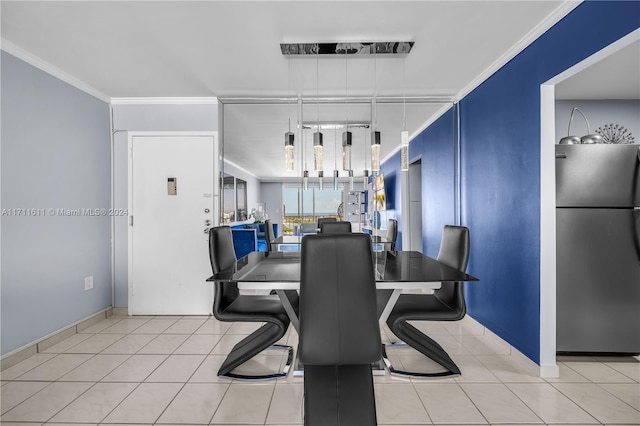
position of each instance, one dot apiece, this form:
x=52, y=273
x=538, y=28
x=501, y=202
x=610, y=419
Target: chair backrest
x=268, y=233
x=222, y=256
x=338, y=316
x=454, y=251
x=308, y=228
x=392, y=232
x=322, y=220
x=335, y=227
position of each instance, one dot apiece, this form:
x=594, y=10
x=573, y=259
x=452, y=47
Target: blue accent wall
x=436, y=147
x=391, y=171
x=500, y=170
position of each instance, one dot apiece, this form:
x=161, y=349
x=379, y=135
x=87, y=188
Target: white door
x=173, y=198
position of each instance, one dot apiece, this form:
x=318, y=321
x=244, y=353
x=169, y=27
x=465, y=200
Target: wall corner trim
x=43, y=65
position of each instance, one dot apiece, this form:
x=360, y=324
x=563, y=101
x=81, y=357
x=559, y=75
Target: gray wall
x=599, y=113
x=145, y=117
x=55, y=155
x=271, y=195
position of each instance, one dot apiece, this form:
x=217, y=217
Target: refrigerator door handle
x=636, y=232
x=637, y=177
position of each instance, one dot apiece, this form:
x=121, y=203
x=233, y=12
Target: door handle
x=564, y=154
x=636, y=231
x=636, y=179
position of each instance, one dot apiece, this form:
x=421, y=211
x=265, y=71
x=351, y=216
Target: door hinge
x=131, y=220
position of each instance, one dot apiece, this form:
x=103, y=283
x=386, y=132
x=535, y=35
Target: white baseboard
x=39, y=345
x=500, y=344
x=120, y=312
x=51, y=339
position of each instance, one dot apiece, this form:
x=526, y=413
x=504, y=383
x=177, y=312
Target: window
x=301, y=206
x=234, y=194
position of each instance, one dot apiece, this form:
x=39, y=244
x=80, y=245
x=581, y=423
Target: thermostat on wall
x=172, y=186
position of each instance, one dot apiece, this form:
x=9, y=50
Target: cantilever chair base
x=283, y=373
x=253, y=344
x=424, y=344
x=399, y=372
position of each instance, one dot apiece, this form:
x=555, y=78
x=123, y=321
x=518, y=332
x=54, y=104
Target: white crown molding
x=552, y=19
x=165, y=101
x=43, y=65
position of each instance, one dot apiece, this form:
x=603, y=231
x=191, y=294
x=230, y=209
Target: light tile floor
x=162, y=370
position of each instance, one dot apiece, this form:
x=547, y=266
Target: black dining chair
x=335, y=227
x=322, y=220
x=230, y=306
x=339, y=331
x=392, y=233
x=445, y=304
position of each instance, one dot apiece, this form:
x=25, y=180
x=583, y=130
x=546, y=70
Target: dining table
x=293, y=243
x=395, y=272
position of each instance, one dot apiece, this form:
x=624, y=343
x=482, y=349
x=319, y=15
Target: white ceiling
x=230, y=49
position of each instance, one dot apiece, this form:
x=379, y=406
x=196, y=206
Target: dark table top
x=391, y=266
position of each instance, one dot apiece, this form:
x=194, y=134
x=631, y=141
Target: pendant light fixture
x=375, y=135
x=365, y=179
x=336, y=174
x=346, y=135
x=375, y=151
x=289, y=148
x=305, y=173
x=317, y=136
x=346, y=150
x=404, y=135
x=289, y=151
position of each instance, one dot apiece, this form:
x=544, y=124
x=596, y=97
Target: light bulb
x=289, y=151
x=317, y=151
x=375, y=151
x=346, y=150
x=404, y=151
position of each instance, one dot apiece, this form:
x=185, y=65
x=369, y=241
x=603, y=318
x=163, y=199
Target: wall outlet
x=88, y=283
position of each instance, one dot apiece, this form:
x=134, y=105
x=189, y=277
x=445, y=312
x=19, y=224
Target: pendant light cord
x=318, y=87
x=404, y=95
x=289, y=92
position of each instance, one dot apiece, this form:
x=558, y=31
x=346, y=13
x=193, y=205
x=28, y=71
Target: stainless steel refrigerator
x=598, y=248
